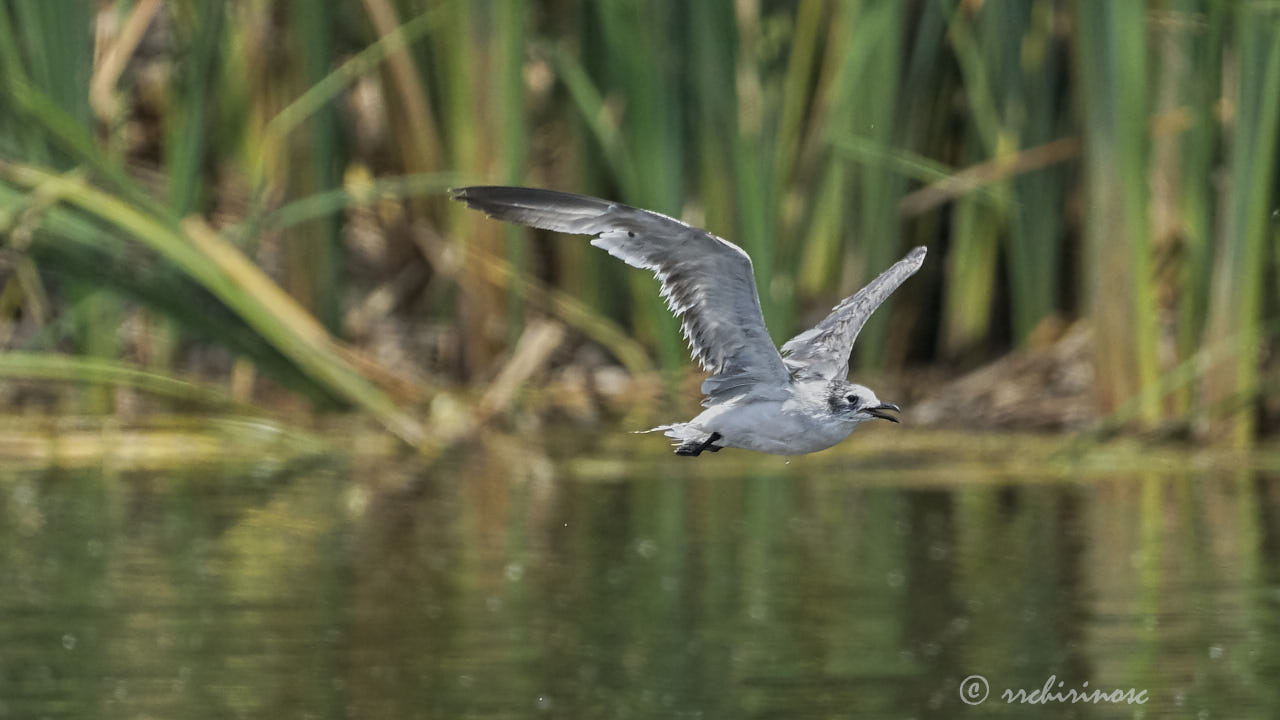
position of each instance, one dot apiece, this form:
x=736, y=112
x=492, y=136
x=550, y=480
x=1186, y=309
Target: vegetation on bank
x=232, y=203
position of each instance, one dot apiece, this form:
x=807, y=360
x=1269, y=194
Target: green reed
x=1111, y=162
x=1112, y=61
x=1249, y=233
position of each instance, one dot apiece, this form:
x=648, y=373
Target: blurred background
x=242, y=205
x=233, y=289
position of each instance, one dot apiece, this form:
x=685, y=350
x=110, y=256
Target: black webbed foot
x=695, y=449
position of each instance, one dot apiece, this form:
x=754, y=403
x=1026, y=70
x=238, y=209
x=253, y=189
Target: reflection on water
x=487, y=589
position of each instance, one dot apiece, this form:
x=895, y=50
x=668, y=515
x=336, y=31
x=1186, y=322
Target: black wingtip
x=487, y=197
x=471, y=196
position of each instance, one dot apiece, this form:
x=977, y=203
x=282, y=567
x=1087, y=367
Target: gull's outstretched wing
x=823, y=351
x=707, y=282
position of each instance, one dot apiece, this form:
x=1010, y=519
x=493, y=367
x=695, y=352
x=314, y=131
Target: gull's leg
x=693, y=449
x=709, y=443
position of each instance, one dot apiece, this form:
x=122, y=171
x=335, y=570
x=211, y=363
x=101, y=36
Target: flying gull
x=790, y=403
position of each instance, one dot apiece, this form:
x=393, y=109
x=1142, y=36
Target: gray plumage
x=709, y=284
x=823, y=350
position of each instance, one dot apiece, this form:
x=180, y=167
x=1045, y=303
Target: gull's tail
x=685, y=436
x=676, y=431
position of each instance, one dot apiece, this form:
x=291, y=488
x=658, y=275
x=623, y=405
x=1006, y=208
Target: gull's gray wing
x=707, y=281
x=823, y=351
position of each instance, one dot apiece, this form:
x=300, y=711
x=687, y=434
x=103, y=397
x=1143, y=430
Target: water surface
x=502, y=583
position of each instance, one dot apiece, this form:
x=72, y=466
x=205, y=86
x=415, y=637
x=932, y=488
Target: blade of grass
x=49, y=128
x=1199, y=161
x=1030, y=111
x=326, y=90
x=70, y=246
x=969, y=295
x=1235, y=305
x=881, y=29
x=185, y=142
x=598, y=117
x=640, y=57
x=114, y=59
x=509, y=63
x=58, y=54
x=804, y=44
x=650, y=317
x=1111, y=57
x=314, y=265
x=328, y=202
x=1177, y=236
x=971, y=275
x=186, y=137
x=498, y=272
x=58, y=58
x=423, y=138
x=220, y=268
x=15, y=365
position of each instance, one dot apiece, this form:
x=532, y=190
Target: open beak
x=879, y=411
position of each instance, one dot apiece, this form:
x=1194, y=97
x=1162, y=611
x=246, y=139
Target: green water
x=500, y=586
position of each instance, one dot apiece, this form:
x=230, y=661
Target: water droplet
x=514, y=571
x=24, y=494
x=647, y=548
x=1215, y=652
x=69, y=641
x=544, y=702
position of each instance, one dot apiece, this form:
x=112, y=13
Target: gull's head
x=857, y=403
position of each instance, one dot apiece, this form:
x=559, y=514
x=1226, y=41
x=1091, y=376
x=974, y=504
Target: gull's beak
x=879, y=411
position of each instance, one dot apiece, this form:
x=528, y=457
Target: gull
x=792, y=402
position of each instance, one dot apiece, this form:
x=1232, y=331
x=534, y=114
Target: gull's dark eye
x=853, y=400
